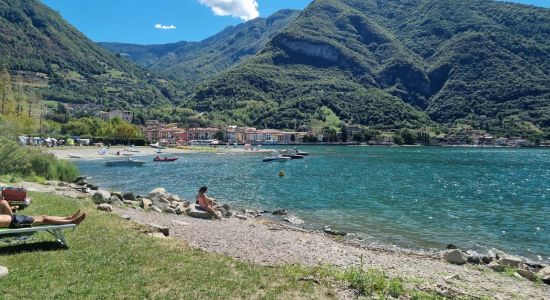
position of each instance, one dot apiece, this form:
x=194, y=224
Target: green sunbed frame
x=55, y=230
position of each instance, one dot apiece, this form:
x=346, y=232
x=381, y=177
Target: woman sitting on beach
x=206, y=203
x=10, y=220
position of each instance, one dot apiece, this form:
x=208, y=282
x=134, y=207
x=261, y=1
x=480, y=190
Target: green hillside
x=46, y=52
x=193, y=62
x=392, y=64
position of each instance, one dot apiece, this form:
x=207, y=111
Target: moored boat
x=298, y=152
x=165, y=159
x=71, y=155
x=279, y=158
x=125, y=162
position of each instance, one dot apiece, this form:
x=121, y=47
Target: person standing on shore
x=206, y=203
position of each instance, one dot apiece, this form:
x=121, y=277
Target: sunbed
x=55, y=230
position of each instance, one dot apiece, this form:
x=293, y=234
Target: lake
x=420, y=198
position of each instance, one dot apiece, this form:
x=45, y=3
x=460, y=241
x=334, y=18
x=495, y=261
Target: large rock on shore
x=105, y=207
x=196, y=213
x=511, y=261
x=101, y=196
x=455, y=256
x=3, y=271
x=158, y=192
x=293, y=220
x=544, y=274
x=145, y=203
x=129, y=196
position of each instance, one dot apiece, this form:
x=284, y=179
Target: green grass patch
x=108, y=258
x=329, y=119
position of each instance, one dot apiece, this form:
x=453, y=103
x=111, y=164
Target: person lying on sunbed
x=10, y=220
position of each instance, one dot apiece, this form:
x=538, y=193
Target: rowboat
x=165, y=159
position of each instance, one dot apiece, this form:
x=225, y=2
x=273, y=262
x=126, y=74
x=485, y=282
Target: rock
x=511, y=261
x=155, y=208
x=329, y=230
x=126, y=217
x=496, y=267
x=157, y=235
x=293, y=220
x=115, y=201
x=158, y=228
x=131, y=203
x=129, y=196
x=451, y=247
x=544, y=274
x=247, y=211
x=101, y=196
x=145, y=203
x=226, y=207
x=280, y=212
x=180, y=210
x=241, y=217
x=455, y=256
x=105, y=207
x=527, y=274
x=118, y=195
x=455, y=276
x=518, y=276
x=164, y=200
x=174, y=198
x=200, y=214
x=486, y=260
x=158, y=192
x=228, y=214
x=3, y=271
x=169, y=210
x=474, y=260
x=92, y=187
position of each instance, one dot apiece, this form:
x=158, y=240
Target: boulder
x=129, y=196
x=105, y=207
x=3, y=271
x=158, y=192
x=115, y=201
x=200, y=214
x=451, y=247
x=131, y=203
x=455, y=256
x=158, y=228
x=544, y=274
x=155, y=208
x=180, y=210
x=293, y=220
x=145, y=203
x=474, y=260
x=164, y=200
x=174, y=198
x=527, y=274
x=92, y=187
x=226, y=207
x=101, y=196
x=118, y=195
x=241, y=217
x=486, y=259
x=511, y=261
x=169, y=210
x=329, y=230
x=280, y=212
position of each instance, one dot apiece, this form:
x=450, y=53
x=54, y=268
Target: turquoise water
x=412, y=197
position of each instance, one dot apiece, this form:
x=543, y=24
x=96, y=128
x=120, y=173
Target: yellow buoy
x=281, y=173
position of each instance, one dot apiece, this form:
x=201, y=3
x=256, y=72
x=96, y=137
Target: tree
x=220, y=135
x=5, y=89
x=409, y=137
x=344, y=134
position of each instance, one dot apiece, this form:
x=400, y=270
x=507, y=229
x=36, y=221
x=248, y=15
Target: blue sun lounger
x=55, y=230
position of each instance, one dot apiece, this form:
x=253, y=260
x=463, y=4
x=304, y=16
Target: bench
x=55, y=230
x=16, y=196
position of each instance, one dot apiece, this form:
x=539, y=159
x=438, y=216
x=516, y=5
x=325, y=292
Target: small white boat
x=72, y=155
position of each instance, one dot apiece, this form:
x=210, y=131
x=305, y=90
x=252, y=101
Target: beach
x=262, y=241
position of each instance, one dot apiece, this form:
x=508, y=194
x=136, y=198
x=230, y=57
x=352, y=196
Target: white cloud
x=165, y=27
x=244, y=9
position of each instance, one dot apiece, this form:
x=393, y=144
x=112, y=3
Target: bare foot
x=76, y=214
x=79, y=219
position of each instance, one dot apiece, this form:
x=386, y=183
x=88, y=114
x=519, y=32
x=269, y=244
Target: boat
x=298, y=152
x=157, y=146
x=128, y=154
x=166, y=159
x=293, y=156
x=279, y=158
x=125, y=162
x=71, y=155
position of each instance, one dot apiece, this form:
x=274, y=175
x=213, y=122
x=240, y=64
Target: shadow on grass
x=31, y=247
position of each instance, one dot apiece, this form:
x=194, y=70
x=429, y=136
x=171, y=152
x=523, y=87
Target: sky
x=168, y=21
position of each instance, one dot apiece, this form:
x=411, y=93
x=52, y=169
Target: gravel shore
x=265, y=242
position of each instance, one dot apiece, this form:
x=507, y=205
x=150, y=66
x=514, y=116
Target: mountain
x=46, y=52
x=196, y=61
x=394, y=64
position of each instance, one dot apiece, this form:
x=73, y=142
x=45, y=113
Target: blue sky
x=167, y=21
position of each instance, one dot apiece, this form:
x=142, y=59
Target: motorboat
x=125, y=162
x=293, y=156
x=279, y=158
x=298, y=152
x=71, y=155
x=165, y=159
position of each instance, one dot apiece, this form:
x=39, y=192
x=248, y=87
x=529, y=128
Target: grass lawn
x=108, y=258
